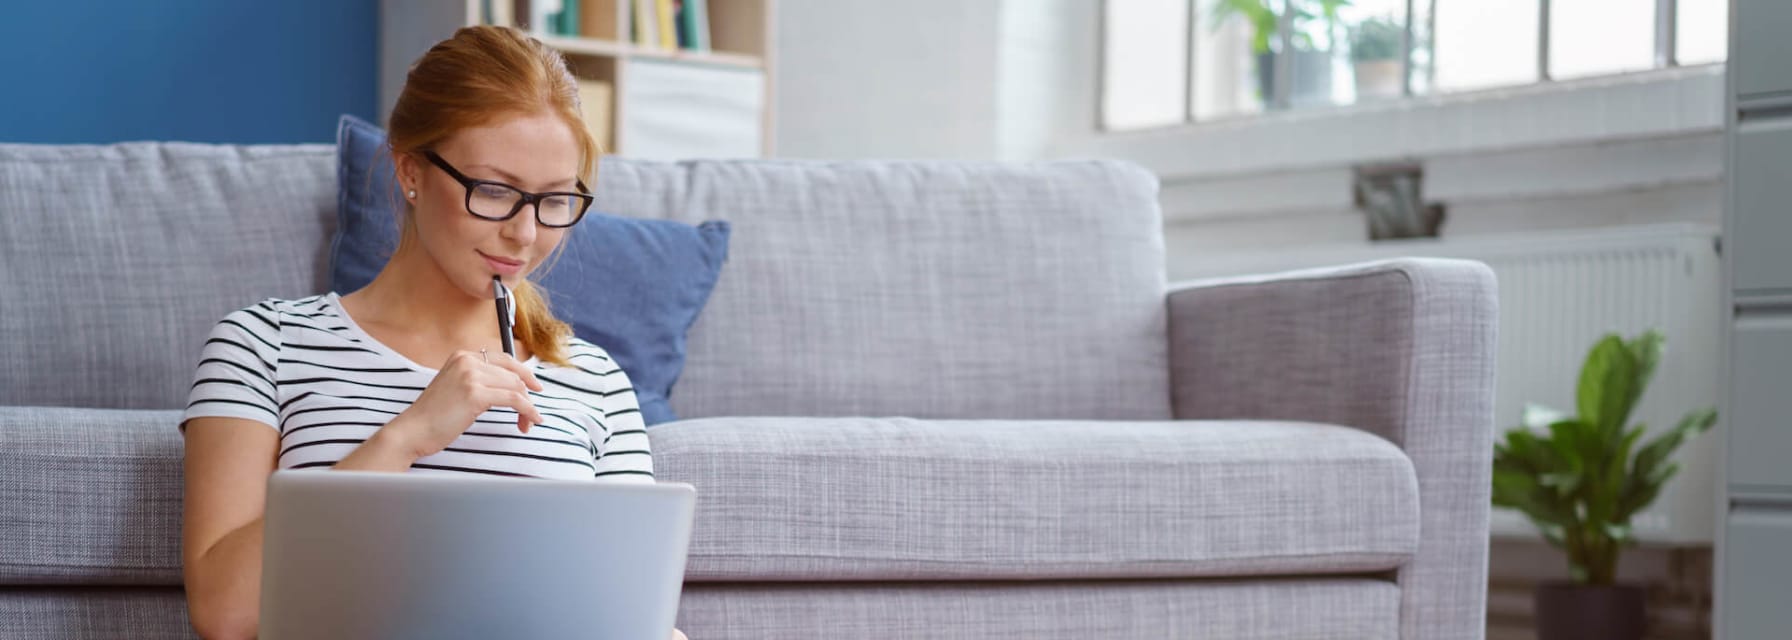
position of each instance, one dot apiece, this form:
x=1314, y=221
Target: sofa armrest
x=1401, y=348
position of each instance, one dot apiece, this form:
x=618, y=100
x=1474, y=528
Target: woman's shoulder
x=589, y=357
x=591, y=363
x=310, y=306
x=266, y=321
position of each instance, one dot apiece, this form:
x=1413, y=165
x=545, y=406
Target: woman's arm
x=227, y=466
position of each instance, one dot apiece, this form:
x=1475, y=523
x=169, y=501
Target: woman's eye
x=557, y=202
x=492, y=191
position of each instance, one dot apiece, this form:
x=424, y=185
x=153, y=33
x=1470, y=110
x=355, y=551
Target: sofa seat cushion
x=89, y=496
x=906, y=499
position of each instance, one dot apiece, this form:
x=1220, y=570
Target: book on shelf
x=597, y=19
x=594, y=107
x=663, y=16
x=700, y=23
x=693, y=24
x=669, y=25
x=646, y=29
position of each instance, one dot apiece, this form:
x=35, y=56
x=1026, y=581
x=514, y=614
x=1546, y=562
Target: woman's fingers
x=503, y=396
x=508, y=363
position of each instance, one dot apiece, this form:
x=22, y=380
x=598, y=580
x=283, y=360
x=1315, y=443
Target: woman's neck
x=412, y=295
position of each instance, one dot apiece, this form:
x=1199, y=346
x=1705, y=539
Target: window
x=1168, y=62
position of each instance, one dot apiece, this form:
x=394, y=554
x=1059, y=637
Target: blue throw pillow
x=629, y=285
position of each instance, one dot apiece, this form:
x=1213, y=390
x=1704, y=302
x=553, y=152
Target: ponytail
x=540, y=332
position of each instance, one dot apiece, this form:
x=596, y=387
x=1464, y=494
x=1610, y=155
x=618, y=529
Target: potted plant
x=1312, y=79
x=1375, y=46
x=1580, y=479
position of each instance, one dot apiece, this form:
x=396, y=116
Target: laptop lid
x=387, y=555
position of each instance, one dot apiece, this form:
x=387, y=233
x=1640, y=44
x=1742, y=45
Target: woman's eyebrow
x=516, y=181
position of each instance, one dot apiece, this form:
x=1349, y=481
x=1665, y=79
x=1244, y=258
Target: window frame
x=1666, y=57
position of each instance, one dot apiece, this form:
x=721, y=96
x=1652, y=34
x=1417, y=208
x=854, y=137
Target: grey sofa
x=927, y=400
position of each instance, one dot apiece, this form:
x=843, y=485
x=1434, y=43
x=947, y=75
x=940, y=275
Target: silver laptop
x=388, y=555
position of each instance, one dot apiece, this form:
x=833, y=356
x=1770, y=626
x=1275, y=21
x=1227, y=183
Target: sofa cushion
x=629, y=285
x=89, y=496
x=118, y=259
x=94, y=497
x=925, y=289
x=905, y=499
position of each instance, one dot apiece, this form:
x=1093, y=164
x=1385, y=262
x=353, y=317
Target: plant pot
x=1568, y=611
x=1377, y=79
x=1312, y=81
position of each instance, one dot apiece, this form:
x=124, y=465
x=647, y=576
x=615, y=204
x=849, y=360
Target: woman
x=488, y=145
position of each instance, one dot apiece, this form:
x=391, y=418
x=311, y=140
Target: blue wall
x=239, y=71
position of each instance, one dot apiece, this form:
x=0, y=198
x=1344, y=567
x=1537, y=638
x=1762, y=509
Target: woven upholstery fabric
x=93, y=497
x=1338, y=608
x=94, y=613
x=1296, y=609
x=906, y=499
x=89, y=496
x=121, y=258
x=1404, y=349
x=923, y=289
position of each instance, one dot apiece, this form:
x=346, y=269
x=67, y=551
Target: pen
x=502, y=295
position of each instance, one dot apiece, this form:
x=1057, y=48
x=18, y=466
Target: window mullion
x=1666, y=35
x=1406, y=44
x=1543, y=41
x=1188, y=58
x=1284, y=59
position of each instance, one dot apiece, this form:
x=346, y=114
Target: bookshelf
x=706, y=95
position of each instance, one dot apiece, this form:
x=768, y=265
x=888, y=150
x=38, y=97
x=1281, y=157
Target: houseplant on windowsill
x=1310, y=64
x=1577, y=479
x=1375, y=46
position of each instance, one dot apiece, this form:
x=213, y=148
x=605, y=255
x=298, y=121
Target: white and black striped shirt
x=304, y=368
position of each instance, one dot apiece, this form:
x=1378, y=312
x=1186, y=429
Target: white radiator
x=1559, y=292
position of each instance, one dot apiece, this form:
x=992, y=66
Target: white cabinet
x=679, y=110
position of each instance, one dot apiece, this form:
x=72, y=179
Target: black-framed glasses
x=496, y=201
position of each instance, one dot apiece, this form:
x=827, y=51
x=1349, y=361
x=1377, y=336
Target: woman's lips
x=502, y=266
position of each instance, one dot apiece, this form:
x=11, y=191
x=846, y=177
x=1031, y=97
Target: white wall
x=1019, y=80
x=874, y=78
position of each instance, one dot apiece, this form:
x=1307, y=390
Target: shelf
x=614, y=49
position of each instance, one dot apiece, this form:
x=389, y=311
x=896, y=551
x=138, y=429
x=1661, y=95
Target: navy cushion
x=629, y=285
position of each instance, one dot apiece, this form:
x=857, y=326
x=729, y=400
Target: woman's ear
x=410, y=174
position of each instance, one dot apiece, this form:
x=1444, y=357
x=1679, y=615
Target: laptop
x=351, y=554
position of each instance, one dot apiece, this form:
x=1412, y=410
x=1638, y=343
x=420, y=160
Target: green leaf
x=1607, y=389
x=1645, y=351
x=1577, y=444
x=1664, y=445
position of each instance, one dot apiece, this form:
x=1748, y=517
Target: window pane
x=1314, y=65
x=1371, y=36
x=1594, y=37
x=1702, y=33
x=1485, y=43
x=1145, y=66
x=1228, y=78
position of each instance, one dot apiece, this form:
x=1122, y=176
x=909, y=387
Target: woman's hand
x=469, y=384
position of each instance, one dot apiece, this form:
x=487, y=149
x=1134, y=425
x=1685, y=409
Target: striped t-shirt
x=304, y=368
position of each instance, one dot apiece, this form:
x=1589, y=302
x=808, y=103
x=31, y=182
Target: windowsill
x=1647, y=104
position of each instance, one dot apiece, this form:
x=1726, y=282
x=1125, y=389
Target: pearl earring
x=412, y=194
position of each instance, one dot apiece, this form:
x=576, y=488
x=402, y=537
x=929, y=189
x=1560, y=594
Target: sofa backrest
x=116, y=260
x=926, y=289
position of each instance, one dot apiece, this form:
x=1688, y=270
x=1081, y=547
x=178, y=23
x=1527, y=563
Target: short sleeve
x=235, y=377
x=623, y=455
